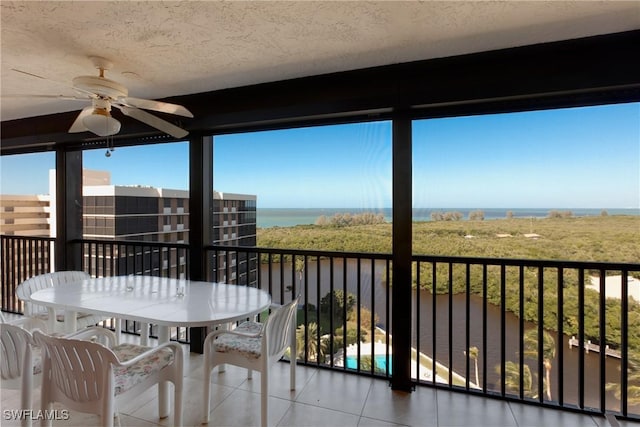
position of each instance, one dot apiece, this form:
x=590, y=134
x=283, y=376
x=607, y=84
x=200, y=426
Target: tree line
x=611, y=238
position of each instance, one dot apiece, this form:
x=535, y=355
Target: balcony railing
x=476, y=321
x=22, y=257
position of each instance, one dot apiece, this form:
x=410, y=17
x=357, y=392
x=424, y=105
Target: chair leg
x=108, y=412
x=45, y=395
x=293, y=354
x=206, y=394
x=25, y=406
x=224, y=327
x=26, y=398
x=264, y=398
x=177, y=405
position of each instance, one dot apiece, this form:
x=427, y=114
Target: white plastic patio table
x=157, y=300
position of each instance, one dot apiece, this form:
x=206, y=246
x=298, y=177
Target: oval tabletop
x=158, y=300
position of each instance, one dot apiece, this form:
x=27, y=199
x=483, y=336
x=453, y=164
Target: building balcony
x=474, y=349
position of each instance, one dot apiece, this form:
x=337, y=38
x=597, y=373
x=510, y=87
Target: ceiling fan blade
x=64, y=97
x=29, y=74
x=153, y=121
x=163, y=107
x=41, y=78
x=78, y=125
x=69, y=85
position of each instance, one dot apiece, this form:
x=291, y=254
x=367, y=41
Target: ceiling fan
x=105, y=94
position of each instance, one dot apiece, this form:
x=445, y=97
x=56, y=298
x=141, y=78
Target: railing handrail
x=133, y=243
x=300, y=252
x=36, y=238
x=509, y=262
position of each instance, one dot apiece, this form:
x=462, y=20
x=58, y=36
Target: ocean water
x=289, y=217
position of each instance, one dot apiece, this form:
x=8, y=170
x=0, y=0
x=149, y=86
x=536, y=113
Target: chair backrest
x=15, y=348
x=80, y=370
x=43, y=281
x=278, y=328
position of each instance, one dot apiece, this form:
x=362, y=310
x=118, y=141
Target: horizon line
x=450, y=207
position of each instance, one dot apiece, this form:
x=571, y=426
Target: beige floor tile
x=371, y=422
x=418, y=408
x=279, y=384
x=535, y=416
x=338, y=391
x=303, y=415
x=192, y=404
x=459, y=409
x=242, y=408
x=232, y=376
x=131, y=403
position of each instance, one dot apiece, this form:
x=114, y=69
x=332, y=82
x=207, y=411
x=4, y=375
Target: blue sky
x=573, y=158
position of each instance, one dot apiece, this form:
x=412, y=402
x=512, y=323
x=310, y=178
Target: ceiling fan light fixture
x=101, y=123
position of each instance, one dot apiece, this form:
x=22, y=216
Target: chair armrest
x=98, y=334
x=212, y=336
x=29, y=323
x=173, y=346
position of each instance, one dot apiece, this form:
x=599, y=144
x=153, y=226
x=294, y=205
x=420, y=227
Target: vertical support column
x=200, y=217
x=68, y=202
x=402, y=229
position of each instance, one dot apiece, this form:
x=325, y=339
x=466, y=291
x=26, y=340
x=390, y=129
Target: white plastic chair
x=90, y=377
x=43, y=281
x=254, y=346
x=21, y=358
x=20, y=361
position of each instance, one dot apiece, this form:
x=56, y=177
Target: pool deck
x=426, y=363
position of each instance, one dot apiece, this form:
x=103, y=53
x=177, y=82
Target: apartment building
x=141, y=214
x=234, y=224
x=25, y=215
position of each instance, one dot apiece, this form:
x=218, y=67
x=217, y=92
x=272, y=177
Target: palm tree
x=324, y=349
x=300, y=270
x=312, y=344
x=548, y=353
x=473, y=354
x=633, y=385
x=512, y=379
x=316, y=350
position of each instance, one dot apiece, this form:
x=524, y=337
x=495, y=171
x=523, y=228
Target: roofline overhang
x=586, y=71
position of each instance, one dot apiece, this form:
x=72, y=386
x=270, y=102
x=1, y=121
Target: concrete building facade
x=139, y=214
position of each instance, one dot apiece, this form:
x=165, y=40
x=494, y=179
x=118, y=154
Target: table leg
x=51, y=320
x=118, y=328
x=163, y=387
x=144, y=334
x=70, y=321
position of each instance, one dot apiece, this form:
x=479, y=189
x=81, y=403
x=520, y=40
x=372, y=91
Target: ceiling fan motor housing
x=100, y=86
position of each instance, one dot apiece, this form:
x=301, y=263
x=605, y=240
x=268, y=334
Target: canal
x=371, y=291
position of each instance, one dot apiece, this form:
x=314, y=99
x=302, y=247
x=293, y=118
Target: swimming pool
x=380, y=362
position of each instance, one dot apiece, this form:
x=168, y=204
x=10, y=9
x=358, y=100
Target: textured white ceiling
x=162, y=49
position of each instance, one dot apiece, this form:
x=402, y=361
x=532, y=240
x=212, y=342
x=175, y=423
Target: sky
x=585, y=157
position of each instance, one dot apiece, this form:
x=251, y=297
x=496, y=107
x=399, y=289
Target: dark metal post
x=200, y=216
x=68, y=211
x=401, y=285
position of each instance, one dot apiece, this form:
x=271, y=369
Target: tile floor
x=323, y=398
